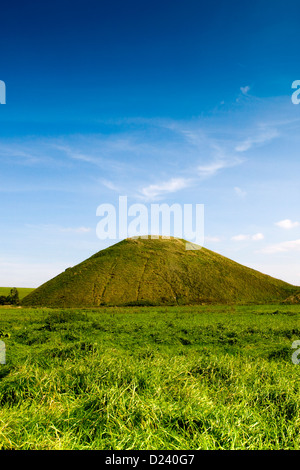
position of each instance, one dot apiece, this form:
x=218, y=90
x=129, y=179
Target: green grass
x=207, y=377
x=23, y=291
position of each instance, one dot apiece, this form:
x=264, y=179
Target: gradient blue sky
x=170, y=101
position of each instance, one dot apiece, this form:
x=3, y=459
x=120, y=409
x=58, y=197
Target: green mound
x=155, y=272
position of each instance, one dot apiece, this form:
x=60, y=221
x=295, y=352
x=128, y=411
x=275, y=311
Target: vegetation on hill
x=156, y=272
x=293, y=299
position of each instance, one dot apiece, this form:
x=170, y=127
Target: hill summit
x=158, y=271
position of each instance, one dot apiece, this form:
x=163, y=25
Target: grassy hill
x=157, y=271
x=23, y=291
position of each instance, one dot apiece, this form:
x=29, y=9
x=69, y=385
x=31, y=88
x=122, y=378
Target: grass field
x=208, y=377
x=23, y=291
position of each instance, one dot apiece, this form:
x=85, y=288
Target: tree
x=3, y=300
x=13, y=297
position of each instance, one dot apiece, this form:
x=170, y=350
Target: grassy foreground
x=150, y=378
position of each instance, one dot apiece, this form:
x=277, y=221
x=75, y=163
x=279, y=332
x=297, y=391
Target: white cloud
x=240, y=192
x=245, y=89
x=258, y=236
x=155, y=190
x=212, y=239
x=242, y=237
x=287, y=224
x=259, y=139
x=109, y=184
x=211, y=168
x=282, y=247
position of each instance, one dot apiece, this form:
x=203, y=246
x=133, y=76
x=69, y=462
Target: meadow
x=200, y=377
x=23, y=291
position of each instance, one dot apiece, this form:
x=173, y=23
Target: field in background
x=23, y=291
x=208, y=377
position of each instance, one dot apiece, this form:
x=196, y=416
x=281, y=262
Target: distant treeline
x=11, y=299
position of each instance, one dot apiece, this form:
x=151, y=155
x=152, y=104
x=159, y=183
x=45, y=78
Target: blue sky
x=161, y=101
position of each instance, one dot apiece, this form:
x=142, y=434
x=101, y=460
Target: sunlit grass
x=150, y=378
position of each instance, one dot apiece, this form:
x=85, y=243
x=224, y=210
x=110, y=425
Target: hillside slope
x=293, y=299
x=157, y=271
